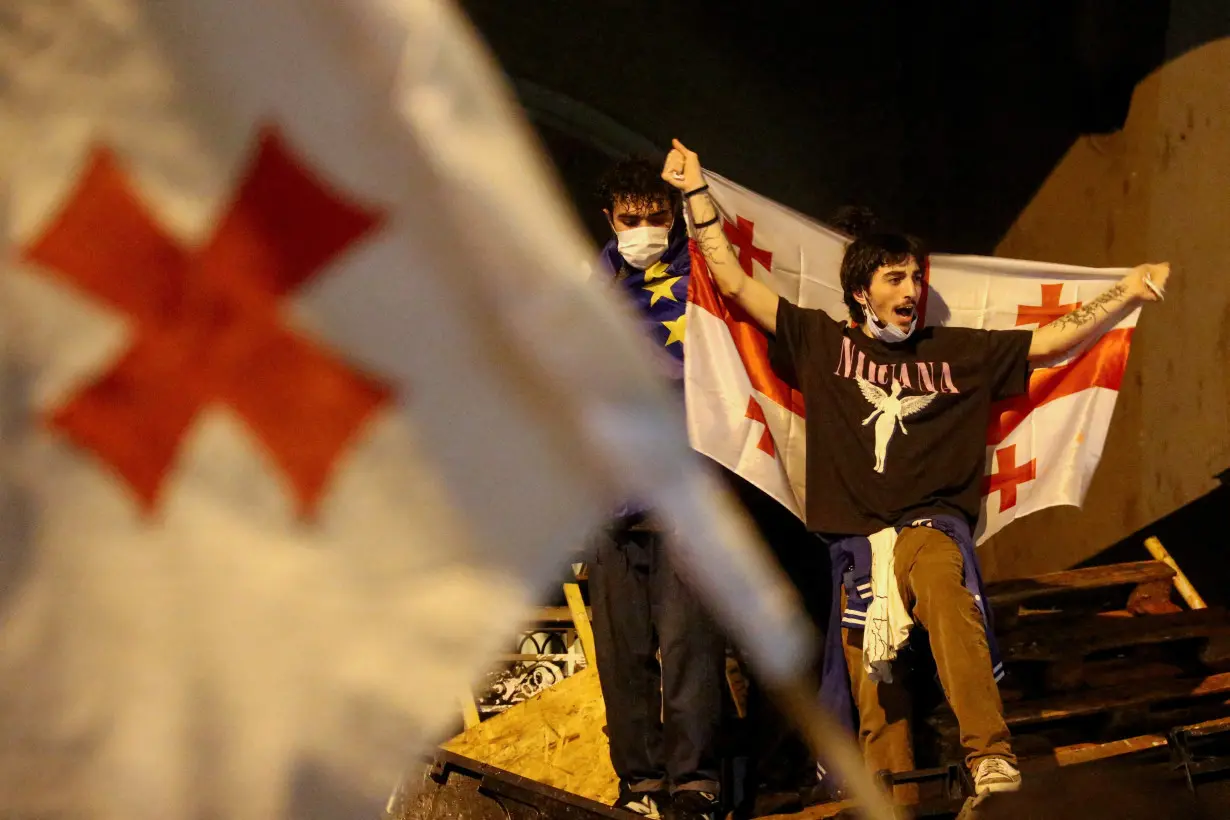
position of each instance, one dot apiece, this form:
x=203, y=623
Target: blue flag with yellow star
x=660, y=294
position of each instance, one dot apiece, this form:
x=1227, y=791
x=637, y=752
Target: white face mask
x=641, y=247
x=889, y=332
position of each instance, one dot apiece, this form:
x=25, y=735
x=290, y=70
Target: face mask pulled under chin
x=889, y=332
x=641, y=247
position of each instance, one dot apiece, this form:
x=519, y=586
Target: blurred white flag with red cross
x=285, y=450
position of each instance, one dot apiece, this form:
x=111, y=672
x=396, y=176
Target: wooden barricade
x=1100, y=655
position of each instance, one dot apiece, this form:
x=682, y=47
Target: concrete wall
x=1157, y=190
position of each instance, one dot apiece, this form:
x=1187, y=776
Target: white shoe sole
x=996, y=788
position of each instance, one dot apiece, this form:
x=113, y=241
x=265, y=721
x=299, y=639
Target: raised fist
x=682, y=168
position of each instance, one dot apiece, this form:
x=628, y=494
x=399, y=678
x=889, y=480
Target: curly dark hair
x=637, y=182
x=873, y=247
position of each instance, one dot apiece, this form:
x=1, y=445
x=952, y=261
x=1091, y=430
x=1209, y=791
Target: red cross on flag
x=1042, y=448
x=284, y=450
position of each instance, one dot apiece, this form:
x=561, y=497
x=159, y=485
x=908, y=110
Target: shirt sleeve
x=1007, y=362
x=799, y=339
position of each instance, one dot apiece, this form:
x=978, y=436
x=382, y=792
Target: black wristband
x=698, y=225
x=699, y=190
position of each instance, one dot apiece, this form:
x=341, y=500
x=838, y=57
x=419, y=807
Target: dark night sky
x=944, y=118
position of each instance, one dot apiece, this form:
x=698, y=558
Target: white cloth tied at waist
x=888, y=621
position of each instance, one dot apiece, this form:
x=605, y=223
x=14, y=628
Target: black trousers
x=663, y=721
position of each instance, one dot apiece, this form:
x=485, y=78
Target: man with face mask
x=897, y=419
x=662, y=716
x=648, y=254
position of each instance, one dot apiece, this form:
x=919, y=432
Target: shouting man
x=894, y=475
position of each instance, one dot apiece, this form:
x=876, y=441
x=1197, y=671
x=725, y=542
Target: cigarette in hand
x=1158, y=292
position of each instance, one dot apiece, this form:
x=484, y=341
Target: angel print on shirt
x=891, y=409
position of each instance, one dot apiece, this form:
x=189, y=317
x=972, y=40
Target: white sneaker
x=642, y=804
x=995, y=774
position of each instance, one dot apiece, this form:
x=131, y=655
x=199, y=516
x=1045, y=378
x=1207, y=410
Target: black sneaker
x=693, y=805
x=645, y=804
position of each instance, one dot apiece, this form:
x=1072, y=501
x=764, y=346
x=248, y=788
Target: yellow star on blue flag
x=662, y=289
x=656, y=271
x=677, y=328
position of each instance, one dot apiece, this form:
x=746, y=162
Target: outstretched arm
x=1069, y=330
x=682, y=170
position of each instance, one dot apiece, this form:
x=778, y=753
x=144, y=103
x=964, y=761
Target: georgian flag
x=1042, y=448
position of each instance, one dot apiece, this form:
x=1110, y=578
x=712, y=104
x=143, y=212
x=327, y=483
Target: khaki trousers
x=931, y=576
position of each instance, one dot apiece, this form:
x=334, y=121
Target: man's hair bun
x=855, y=221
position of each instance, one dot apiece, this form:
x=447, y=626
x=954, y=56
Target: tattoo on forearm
x=1090, y=312
x=711, y=239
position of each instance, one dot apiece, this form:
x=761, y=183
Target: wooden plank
x=1018, y=590
x=1090, y=752
x=1082, y=674
x=1208, y=727
x=1044, y=643
x=1117, y=697
x=555, y=737
x=1158, y=720
x=1181, y=583
x=580, y=619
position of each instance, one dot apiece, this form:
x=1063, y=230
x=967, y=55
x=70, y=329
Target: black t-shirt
x=894, y=431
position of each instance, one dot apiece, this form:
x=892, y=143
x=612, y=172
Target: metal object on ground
x=454, y=787
x=1201, y=750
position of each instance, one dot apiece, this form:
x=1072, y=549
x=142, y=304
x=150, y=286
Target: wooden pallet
x=1098, y=656
x=1102, y=664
